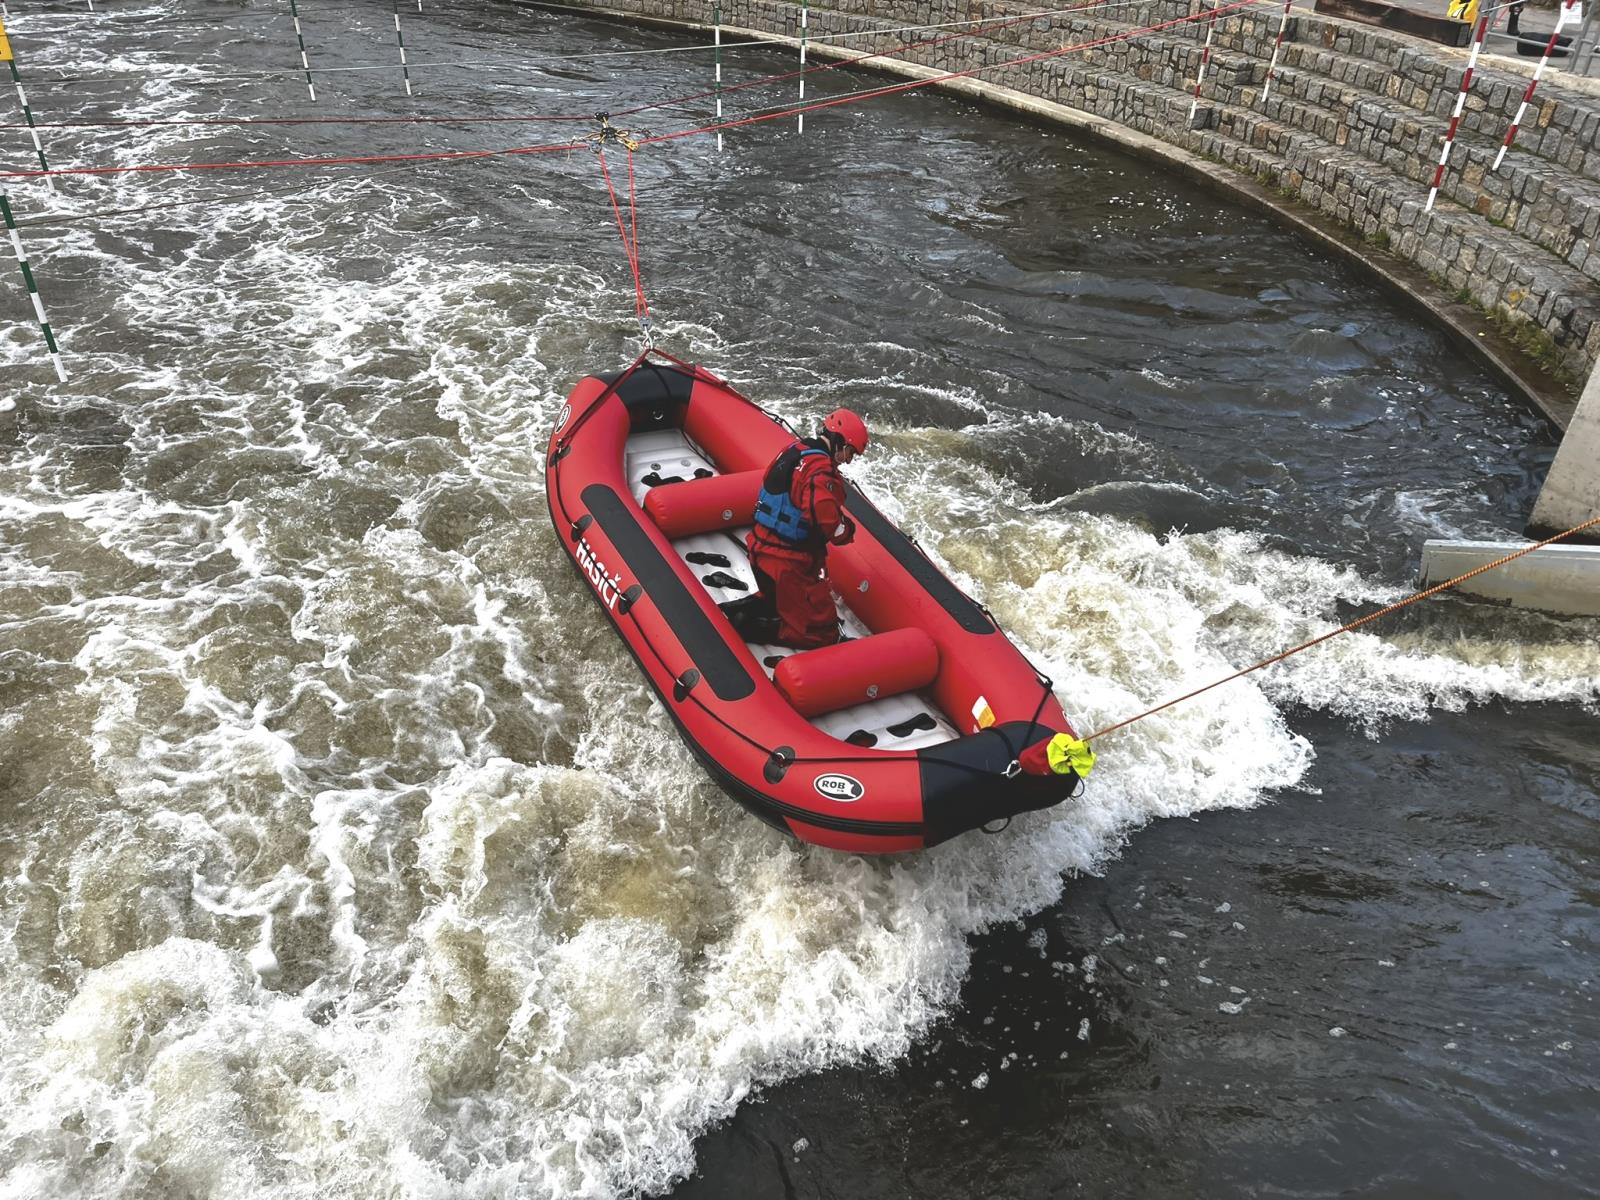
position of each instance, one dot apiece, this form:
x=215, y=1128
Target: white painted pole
x=1455, y=117
x=305, y=63
x=1272, y=67
x=1199, y=76
x=1567, y=12
x=716, y=19
x=400, y=40
x=9, y=56
x=805, y=23
x=33, y=289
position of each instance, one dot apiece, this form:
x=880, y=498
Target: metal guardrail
x=1575, y=58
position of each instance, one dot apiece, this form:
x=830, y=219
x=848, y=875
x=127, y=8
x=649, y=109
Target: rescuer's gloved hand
x=845, y=533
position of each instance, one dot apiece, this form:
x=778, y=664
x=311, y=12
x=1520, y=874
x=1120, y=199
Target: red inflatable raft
x=903, y=736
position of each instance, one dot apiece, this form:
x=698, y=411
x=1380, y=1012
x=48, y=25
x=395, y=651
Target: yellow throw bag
x=1067, y=753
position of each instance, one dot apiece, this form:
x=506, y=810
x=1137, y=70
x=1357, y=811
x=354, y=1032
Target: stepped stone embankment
x=1344, y=145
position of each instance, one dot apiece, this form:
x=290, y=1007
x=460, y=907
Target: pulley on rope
x=609, y=135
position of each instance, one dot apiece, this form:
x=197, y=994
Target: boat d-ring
x=1013, y=768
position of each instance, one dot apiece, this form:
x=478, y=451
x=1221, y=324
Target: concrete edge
x=1555, y=579
x=1539, y=389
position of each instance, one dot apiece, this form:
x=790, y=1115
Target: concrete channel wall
x=1571, y=492
x=1348, y=140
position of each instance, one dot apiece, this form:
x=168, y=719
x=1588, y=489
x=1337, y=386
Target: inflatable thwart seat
x=902, y=736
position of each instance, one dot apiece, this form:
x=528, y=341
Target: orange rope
x=1382, y=612
x=630, y=245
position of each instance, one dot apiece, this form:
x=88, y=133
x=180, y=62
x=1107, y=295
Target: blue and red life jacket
x=775, y=507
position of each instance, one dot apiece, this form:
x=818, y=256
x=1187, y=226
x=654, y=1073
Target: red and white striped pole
x=1455, y=117
x=1564, y=14
x=1272, y=67
x=1205, y=57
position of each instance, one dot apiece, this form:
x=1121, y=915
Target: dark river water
x=344, y=852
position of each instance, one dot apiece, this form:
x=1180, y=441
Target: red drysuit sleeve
x=820, y=495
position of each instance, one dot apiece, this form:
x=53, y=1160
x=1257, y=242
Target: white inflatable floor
x=906, y=722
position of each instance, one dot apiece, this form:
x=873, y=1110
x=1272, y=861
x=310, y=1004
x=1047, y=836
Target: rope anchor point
x=609, y=135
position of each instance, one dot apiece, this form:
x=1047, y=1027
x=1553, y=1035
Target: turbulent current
x=343, y=850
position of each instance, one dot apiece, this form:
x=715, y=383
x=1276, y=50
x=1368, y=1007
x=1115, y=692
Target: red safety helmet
x=849, y=427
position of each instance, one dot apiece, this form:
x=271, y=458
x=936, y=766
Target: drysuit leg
x=807, y=617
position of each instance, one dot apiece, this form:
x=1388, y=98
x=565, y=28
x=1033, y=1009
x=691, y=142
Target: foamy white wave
x=1420, y=510
x=1160, y=380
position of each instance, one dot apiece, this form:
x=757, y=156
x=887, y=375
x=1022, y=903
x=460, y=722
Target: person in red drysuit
x=799, y=515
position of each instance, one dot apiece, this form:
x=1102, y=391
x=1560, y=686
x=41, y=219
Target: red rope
x=633, y=220
x=630, y=246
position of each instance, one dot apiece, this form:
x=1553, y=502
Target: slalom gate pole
x=400, y=40
x=33, y=290
x=1356, y=624
x=10, y=58
x=1562, y=16
x=1199, y=76
x=805, y=25
x=299, y=36
x=716, y=58
x=1272, y=67
x=1455, y=117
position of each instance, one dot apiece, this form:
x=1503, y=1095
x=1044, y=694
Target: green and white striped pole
x=400, y=40
x=10, y=58
x=716, y=57
x=33, y=290
x=305, y=63
x=805, y=25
